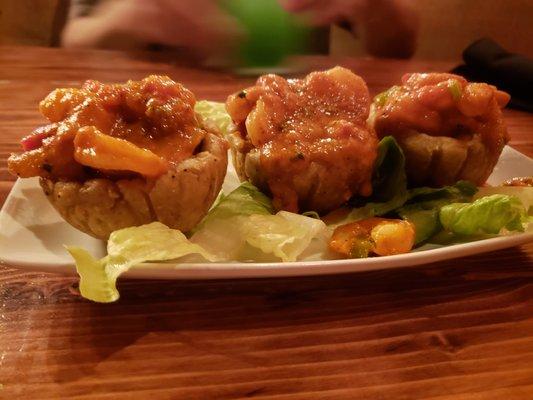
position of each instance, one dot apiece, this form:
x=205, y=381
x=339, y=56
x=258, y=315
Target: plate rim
x=238, y=270
x=243, y=270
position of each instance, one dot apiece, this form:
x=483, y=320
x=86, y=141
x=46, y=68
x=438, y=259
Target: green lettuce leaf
x=374, y=210
x=389, y=180
x=220, y=230
x=489, y=214
x=424, y=204
x=461, y=189
x=285, y=235
x=425, y=221
x=389, y=184
x=125, y=248
x=95, y=283
x=214, y=115
x=523, y=193
x=245, y=200
x=241, y=227
x=390, y=195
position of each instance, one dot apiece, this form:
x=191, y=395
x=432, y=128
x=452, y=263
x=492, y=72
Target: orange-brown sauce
x=155, y=114
x=442, y=104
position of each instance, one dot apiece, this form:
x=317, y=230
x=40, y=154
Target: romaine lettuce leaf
x=95, y=284
x=523, y=193
x=390, y=195
x=245, y=200
x=374, y=209
x=460, y=190
x=425, y=221
x=423, y=206
x=389, y=180
x=389, y=184
x=489, y=214
x=221, y=230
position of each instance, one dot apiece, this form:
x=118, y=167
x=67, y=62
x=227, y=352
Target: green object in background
x=271, y=32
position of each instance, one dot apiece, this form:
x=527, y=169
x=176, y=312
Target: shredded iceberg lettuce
x=240, y=227
x=125, y=248
x=285, y=235
x=244, y=219
x=214, y=115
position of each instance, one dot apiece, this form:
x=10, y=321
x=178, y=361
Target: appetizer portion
x=448, y=128
x=122, y=155
x=305, y=142
x=141, y=163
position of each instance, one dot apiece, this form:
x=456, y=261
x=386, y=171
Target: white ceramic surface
x=33, y=235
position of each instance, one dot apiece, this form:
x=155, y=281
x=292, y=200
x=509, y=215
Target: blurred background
x=443, y=27
x=447, y=27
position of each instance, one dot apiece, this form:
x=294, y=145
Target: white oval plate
x=33, y=236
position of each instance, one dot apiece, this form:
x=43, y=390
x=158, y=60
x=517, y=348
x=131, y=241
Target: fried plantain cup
x=449, y=129
x=115, y=156
x=305, y=141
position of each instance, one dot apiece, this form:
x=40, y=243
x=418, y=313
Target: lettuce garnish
x=126, y=248
x=423, y=206
x=389, y=184
x=214, y=115
x=523, y=193
x=489, y=214
x=240, y=227
x=391, y=197
x=433, y=210
x=285, y=235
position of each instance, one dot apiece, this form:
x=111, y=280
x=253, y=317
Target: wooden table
x=453, y=330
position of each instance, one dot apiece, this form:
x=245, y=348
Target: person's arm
x=198, y=26
x=388, y=28
x=94, y=23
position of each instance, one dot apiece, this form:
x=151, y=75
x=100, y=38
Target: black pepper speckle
x=298, y=156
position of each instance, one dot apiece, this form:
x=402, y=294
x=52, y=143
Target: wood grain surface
x=457, y=330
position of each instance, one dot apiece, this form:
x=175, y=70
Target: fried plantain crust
x=180, y=198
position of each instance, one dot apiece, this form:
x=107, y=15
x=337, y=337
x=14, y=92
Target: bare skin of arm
x=388, y=28
x=195, y=25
